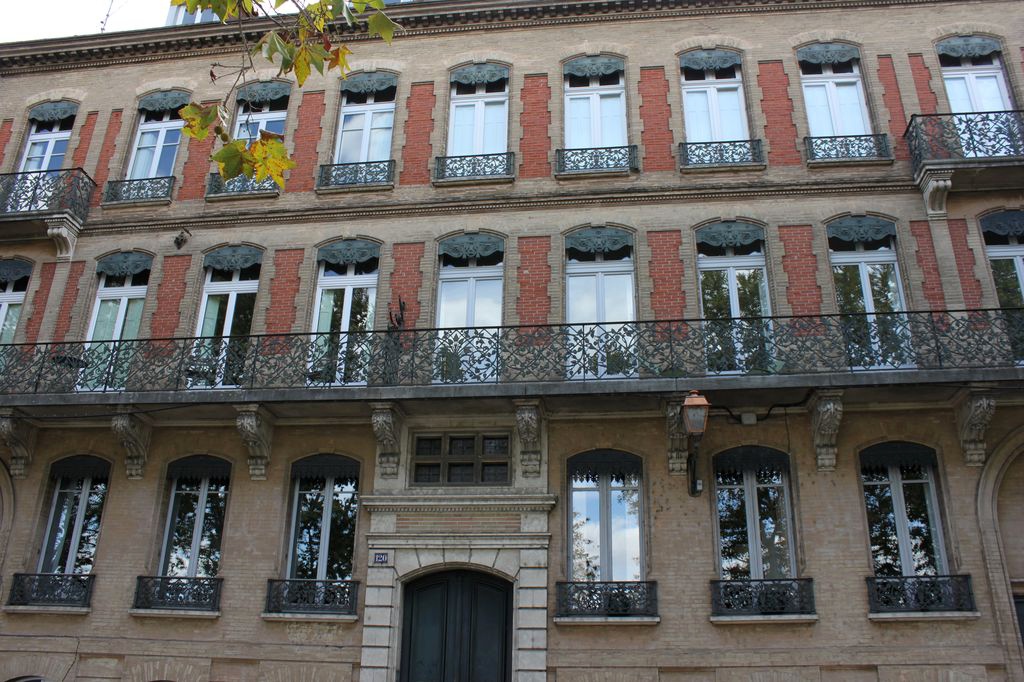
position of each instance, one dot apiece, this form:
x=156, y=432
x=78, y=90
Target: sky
x=31, y=20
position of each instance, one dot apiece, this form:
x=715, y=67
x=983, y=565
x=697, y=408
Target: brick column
x=655, y=115
x=197, y=165
x=800, y=263
x=284, y=290
x=779, y=129
x=170, y=295
x=931, y=282
x=535, y=144
x=37, y=306
x=106, y=154
x=5, y=136
x=927, y=102
x=306, y=136
x=419, y=125
x=68, y=300
x=78, y=156
x=534, y=276
x=894, y=104
x=668, y=298
x=407, y=280
x=966, y=263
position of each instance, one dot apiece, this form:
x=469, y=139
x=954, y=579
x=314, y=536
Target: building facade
x=427, y=413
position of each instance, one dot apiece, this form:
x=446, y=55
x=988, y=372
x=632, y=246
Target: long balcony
x=920, y=594
x=606, y=600
x=51, y=590
x=38, y=194
x=475, y=166
x=788, y=597
x=355, y=175
x=177, y=594
x=334, y=597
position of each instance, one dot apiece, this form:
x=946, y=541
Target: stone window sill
x=311, y=617
x=475, y=180
x=174, y=613
x=132, y=203
x=607, y=620
x=596, y=173
x=795, y=618
x=722, y=167
x=911, y=616
x=55, y=610
x=844, y=163
x=236, y=196
x=346, y=189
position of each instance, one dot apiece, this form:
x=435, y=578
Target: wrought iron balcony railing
x=40, y=192
x=596, y=159
x=918, y=593
x=733, y=153
x=985, y=135
x=218, y=186
x=794, y=596
x=607, y=599
x=337, y=597
x=144, y=189
x=51, y=589
x=845, y=147
x=475, y=166
x=932, y=340
x=356, y=174
x=164, y=592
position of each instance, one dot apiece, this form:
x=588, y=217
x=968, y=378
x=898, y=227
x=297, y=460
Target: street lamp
x=695, y=418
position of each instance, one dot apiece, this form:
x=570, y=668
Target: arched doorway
x=457, y=627
x=1011, y=527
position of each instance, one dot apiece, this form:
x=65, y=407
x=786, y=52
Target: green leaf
x=380, y=24
x=198, y=119
x=270, y=158
x=233, y=159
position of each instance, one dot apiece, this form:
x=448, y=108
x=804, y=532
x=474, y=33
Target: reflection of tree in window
x=605, y=517
x=195, y=522
x=80, y=488
x=1004, y=244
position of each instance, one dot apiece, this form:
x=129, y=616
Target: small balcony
x=143, y=190
x=218, y=187
x=165, y=593
x=325, y=597
x=475, y=167
x=920, y=594
x=848, y=148
x=51, y=590
x=609, y=600
x=368, y=174
x=622, y=160
x=753, y=598
x=696, y=155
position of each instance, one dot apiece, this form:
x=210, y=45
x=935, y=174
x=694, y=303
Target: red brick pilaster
x=777, y=106
x=84, y=140
x=284, y=289
x=668, y=298
x=39, y=300
x=169, y=296
x=926, y=99
x=419, y=125
x=197, y=165
x=68, y=300
x=534, y=275
x=965, y=262
x=931, y=282
x=406, y=281
x=5, y=137
x=535, y=144
x=894, y=103
x=800, y=264
x=306, y=136
x=655, y=115
x=106, y=154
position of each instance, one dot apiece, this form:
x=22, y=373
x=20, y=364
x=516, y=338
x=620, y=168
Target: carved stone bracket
x=386, y=419
x=134, y=433
x=64, y=233
x=256, y=426
x=20, y=438
x=528, y=427
x=826, y=414
x=973, y=415
x=935, y=185
x=677, y=445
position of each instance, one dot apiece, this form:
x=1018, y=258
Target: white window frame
x=325, y=527
x=604, y=523
x=50, y=138
x=472, y=274
x=197, y=529
x=368, y=109
x=970, y=73
x=479, y=100
x=79, y=519
x=1013, y=251
x=713, y=85
x=123, y=294
x=831, y=81
x=600, y=268
x=9, y=297
x=594, y=92
x=232, y=289
x=730, y=264
x=260, y=116
x=348, y=283
x=160, y=127
x=862, y=258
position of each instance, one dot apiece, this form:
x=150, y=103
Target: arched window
x=595, y=117
x=605, y=511
x=478, y=123
x=324, y=493
x=195, y=517
x=972, y=71
x=714, y=110
x=262, y=106
x=14, y=274
x=366, y=120
x=225, y=315
x=79, y=490
x=155, y=150
x=50, y=125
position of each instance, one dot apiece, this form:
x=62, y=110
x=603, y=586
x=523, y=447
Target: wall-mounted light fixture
x=695, y=418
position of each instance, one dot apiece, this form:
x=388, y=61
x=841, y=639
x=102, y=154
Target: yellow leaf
x=198, y=119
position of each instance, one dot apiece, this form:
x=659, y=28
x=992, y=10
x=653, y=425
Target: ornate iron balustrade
x=920, y=593
x=312, y=596
x=607, y=599
x=348, y=174
x=596, y=159
x=732, y=153
x=63, y=191
x=164, y=592
x=51, y=589
x=218, y=186
x=144, y=189
x=793, y=596
x=985, y=135
x=806, y=345
x=474, y=166
x=847, y=147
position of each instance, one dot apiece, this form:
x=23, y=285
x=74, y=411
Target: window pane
x=463, y=133
x=106, y=320
x=625, y=522
x=361, y=314
x=90, y=527
x=732, y=530
x=343, y=532
x=487, y=307
x=752, y=292
x=241, y=322
x=9, y=323
x=332, y=302
x=213, y=525
x=165, y=166
x=351, y=147
x=132, y=319
x=613, y=121
x=577, y=123
x=851, y=110
x=958, y=94
x=920, y=529
x=618, y=298
x=714, y=294
x=308, y=517
x=275, y=126
x=380, y=136
x=884, y=289
x=989, y=94
x=451, y=305
x=819, y=117
x=1007, y=285
x=143, y=162
x=730, y=112
x=581, y=298
x=58, y=544
x=697, y=111
x=183, y=524
x=885, y=547
x=849, y=295
x=495, y=128
x=214, y=315
x=586, y=535
x=774, y=529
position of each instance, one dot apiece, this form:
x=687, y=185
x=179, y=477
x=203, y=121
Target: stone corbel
x=528, y=428
x=826, y=408
x=64, y=233
x=935, y=186
x=386, y=419
x=134, y=432
x=256, y=426
x=677, y=445
x=973, y=415
x=20, y=438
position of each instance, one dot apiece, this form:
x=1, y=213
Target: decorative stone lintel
x=20, y=438
x=63, y=230
x=134, y=432
x=256, y=426
x=386, y=419
x=935, y=186
x=529, y=418
x=677, y=439
x=826, y=408
x=973, y=415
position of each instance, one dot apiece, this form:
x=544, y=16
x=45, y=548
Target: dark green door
x=457, y=628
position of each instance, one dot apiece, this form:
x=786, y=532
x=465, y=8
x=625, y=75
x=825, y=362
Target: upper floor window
x=120, y=296
x=226, y=313
x=595, y=102
x=972, y=72
x=156, y=142
x=1004, y=244
x=461, y=459
x=324, y=493
x=50, y=126
x=180, y=16
x=833, y=90
x=14, y=274
x=367, y=118
x=478, y=123
x=79, y=490
x=262, y=106
x=713, y=103
x=195, y=517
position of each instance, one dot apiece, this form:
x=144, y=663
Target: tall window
x=478, y=123
x=754, y=530
x=14, y=276
x=902, y=510
x=604, y=516
x=1004, y=244
x=713, y=105
x=346, y=293
x=734, y=295
x=116, y=316
x=47, y=144
x=261, y=106
x=595, y=103
x=974, y=82
x=225, y=316
x=195, y=517
x=833, y=90
x=79, y=489
x=156, y=145
x=324, y=491
x=367, y=118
